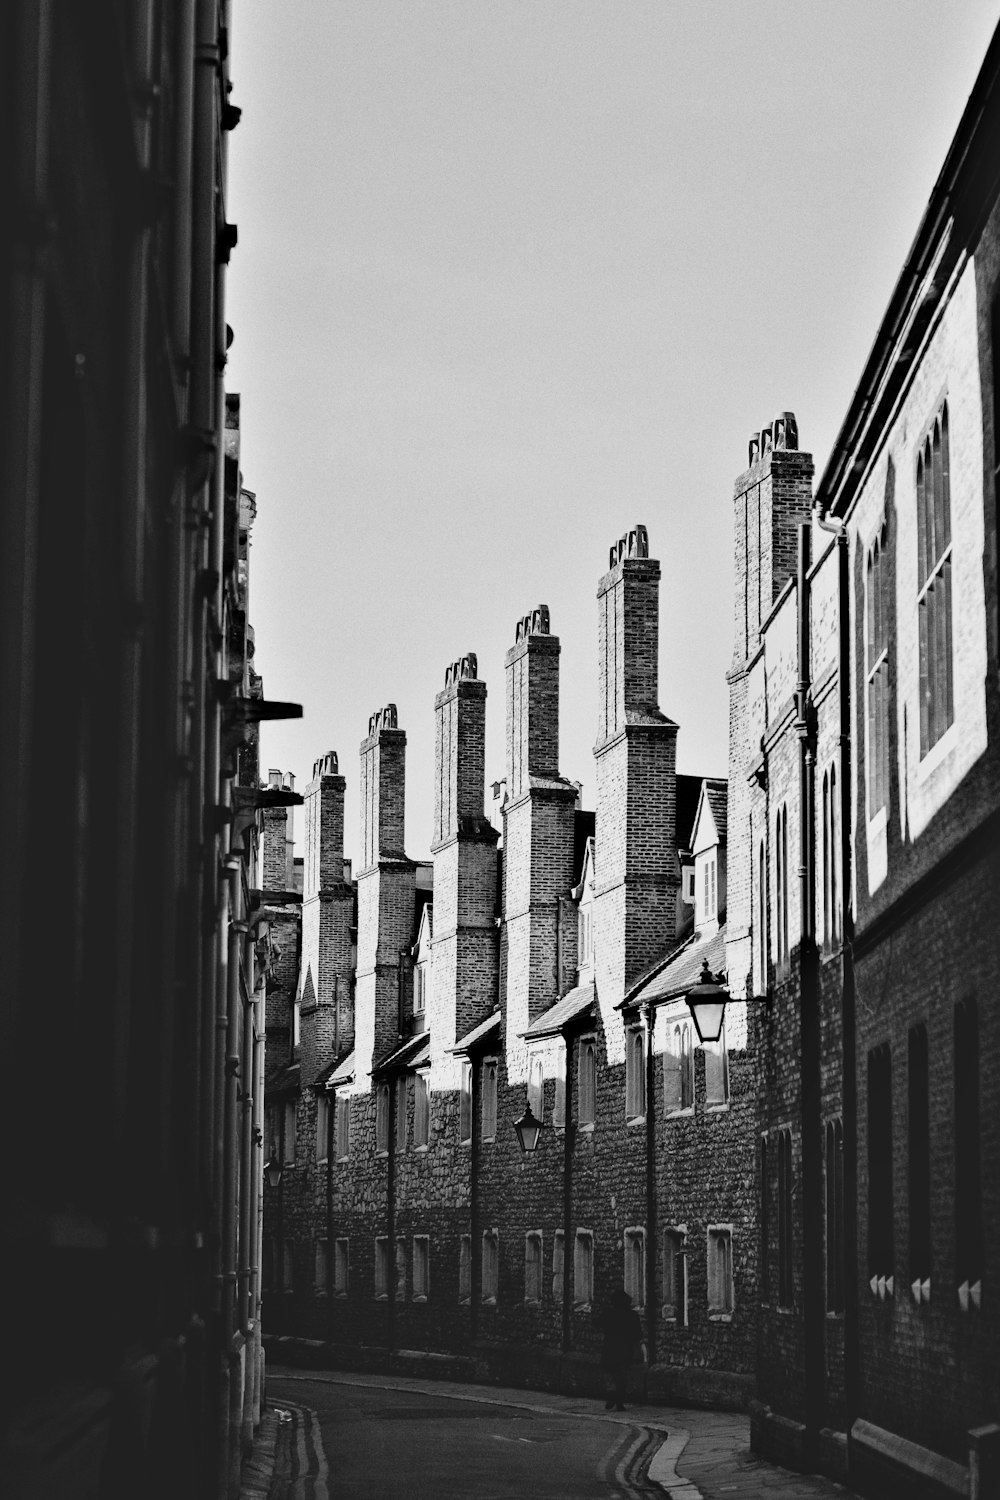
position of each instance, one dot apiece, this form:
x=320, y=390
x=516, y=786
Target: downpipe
x=814, y=1329
x=848, y=1003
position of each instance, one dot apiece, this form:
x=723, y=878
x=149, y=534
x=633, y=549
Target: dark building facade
x=132, y=1000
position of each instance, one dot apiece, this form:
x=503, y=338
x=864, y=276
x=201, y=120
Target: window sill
x=381, y=1296
x=322, y=1161
x=717, y=1109
x=340, y=1295
x=586, y=1127
x=835, y=1315
x=320, y=1291
x=419, y=1297
x=720, y=1317
x=634, y=1121
x=581, y=1307
x=421, y=1148
x=532, y=1301
x=686, y=1112
x=489, y=1302
x=939, y=751
x=342, y=1160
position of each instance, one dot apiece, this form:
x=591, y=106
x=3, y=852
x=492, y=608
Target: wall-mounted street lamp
x=272, y=1171
x=527, y=1129
x=707, y=1004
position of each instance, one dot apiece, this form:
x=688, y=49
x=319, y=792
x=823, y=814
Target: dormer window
x=585, y=933
x=706, y=888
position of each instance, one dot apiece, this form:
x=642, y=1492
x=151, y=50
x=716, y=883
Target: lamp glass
x=272, y=1171
x=527, y=1129
x=707, y=1015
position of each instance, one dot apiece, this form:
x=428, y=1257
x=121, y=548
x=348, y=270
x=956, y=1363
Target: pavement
x=699, y=1455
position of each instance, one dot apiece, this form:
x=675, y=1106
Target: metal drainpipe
x=849, y=1093
x=475, y=1269
x=247, y=1096
x=329, y=1205
x=231, y=1118
x=812, y=1144
x=390, y=1224
x=568, y=1145
x=650, y=1267
x=257, y=1184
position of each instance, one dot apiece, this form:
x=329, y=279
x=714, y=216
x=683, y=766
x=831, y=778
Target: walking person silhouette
x=622, y=1332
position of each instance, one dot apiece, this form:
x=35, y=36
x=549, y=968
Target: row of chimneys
x=637, y=873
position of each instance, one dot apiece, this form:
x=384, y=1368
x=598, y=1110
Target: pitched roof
x=688, y=792
x=576, y=1003
x=336, y=1072
x=583, y=829
x=717, y=797
x=479, y=1034
x=682, y=969
x=407, y=1054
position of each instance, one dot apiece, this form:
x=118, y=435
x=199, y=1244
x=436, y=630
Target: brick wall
x=637, y=872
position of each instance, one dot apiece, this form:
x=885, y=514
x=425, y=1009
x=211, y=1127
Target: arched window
x=877, y=673
x=934, y=583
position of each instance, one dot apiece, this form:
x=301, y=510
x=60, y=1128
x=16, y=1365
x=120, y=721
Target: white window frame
x=586, y=1083
x=680, y=1051
x=635, y=1073
x=558, y=1264
x=559, y=1094
x=634, y=1265
x=536, y=1083
x=320, y=1269
x=322, y=1127
x=718, y=1050
x=381, y=1268
x=290, y=1113
x=382, y=1120
x=400, y=1268
x=465, y=1104
x=490, y=1280
x=421, y=1267
x=421, y=1109
x=533, y=1249
x=720, y=1274
x=420, y=990
x=402, y=1107
x=583, y=1270
x=488, y=1102
x=341, y=1267
x=465, y=1270
x=674, y=1274
x=342, y=1125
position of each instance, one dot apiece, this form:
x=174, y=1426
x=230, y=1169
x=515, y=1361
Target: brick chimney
x=274, y=851
x=772, y=496
x=465, y=950
x=325, y=1010
x=538, y=831
x=385, y=890
x=637, y=873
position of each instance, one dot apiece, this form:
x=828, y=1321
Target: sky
x=514, y=275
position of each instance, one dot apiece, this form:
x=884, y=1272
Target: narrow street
x=372, y=1437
